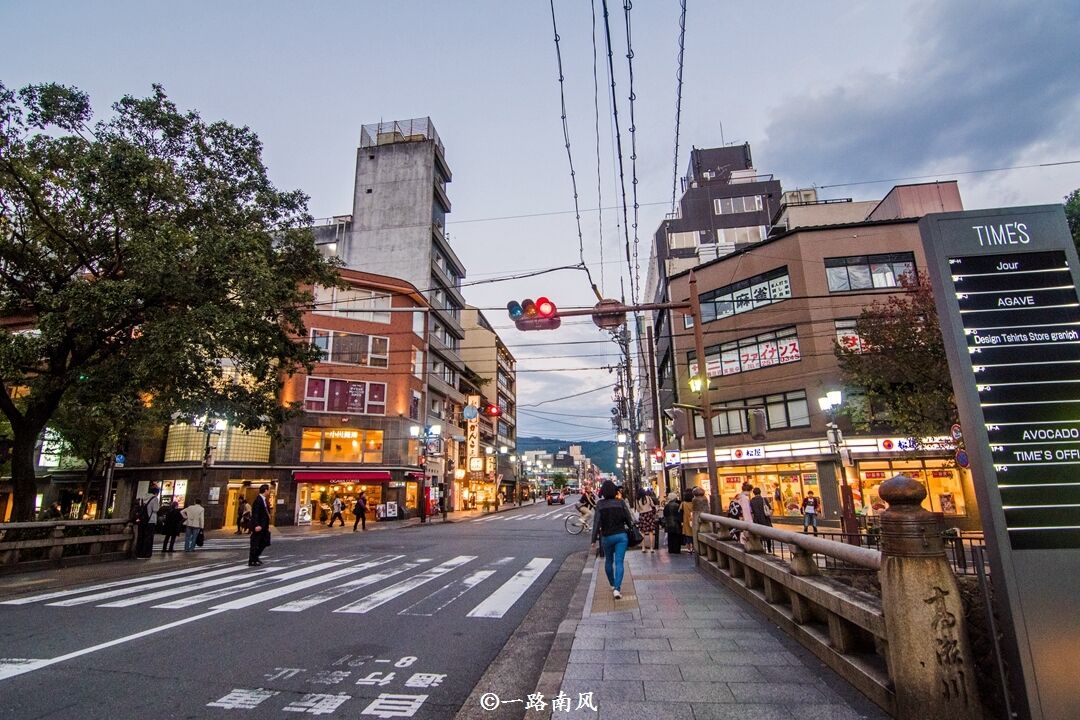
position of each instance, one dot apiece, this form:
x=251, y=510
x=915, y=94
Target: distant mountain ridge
x=601, y=452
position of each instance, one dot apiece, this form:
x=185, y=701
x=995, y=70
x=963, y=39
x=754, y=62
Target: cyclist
x=586, y=504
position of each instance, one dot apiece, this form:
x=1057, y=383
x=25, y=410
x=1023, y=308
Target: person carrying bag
x=614, y=527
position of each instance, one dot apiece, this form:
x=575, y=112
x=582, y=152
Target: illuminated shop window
x=341, y=445
x=186, y=443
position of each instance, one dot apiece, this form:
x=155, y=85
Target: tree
x=897, y=360
x=144, y=255
x=559, y=480
x=1072, y=212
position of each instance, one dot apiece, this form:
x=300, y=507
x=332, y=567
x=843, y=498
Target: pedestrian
x=613, y=522
x=700, y=502
x=778, y=500
x=673, y=523
x=687, y=508
x=194, y=519
x=260, y=525
x=746, y=512
x=243, y=517
x=171, y=527
x=337, y=507
x=811, y=508
x=360, y=511
x=147, y=523
x=646, y=510
x=761, y=511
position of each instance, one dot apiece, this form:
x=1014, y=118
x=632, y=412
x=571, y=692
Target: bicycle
x=576, y=523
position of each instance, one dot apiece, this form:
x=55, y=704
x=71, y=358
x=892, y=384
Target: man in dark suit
x=260, y=525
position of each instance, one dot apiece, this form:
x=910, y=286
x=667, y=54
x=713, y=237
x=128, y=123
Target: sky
x=849, y=97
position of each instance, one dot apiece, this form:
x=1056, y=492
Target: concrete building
x=772, y=315
x=398, y=228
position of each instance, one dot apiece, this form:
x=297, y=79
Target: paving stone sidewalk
x=678, y=646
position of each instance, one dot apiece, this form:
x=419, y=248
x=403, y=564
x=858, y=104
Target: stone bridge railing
x=906, y=649
x=39, y=545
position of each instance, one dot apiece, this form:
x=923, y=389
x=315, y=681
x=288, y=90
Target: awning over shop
x=415, y=475
x=342, y=476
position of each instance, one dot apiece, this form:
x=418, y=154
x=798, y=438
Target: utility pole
x=706, y=401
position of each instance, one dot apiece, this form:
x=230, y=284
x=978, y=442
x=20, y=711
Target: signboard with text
x=1005, y=286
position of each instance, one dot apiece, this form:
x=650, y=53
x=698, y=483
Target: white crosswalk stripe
x=219, y=588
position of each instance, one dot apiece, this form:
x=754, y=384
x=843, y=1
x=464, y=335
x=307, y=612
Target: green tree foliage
x=143, y=255
x=1072, y=212
x=559, y=480
x=899, y=365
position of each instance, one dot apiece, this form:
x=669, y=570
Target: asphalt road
x=397, y=623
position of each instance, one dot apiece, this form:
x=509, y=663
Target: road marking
x=169, y=592
x=302, y=585
x=140, y=588
x=13, y=670
x=258, y=582
x=451, y=591
x=387, y=594
x=497, y=603
x=103, y=586
x=329, y=594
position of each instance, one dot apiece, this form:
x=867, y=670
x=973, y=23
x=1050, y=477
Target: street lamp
x=829, y=405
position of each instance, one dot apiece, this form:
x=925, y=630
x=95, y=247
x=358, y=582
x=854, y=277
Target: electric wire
x=596, y=123
x=678, y=101
x=569, y=154
x=635, y=280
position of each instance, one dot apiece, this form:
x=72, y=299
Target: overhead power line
x=678, y=100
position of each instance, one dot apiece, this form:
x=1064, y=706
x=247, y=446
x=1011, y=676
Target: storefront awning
x=347, y=476
x=415, y=475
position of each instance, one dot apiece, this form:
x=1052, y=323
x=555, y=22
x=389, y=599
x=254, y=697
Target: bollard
x=928, y=651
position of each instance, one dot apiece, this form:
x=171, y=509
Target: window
x=678, y=240
x=352, y=348
x=744, y=296
x=782, y=410
x=418, y=324
x=847, y=336
x=741, y=235
x=347, y=397
x=186, y=443
x=866, y=272
x=436, y=408
x=345, y=445
x=418, y=363
x=747, y=203
x=414, y=406
x=353, y=303
x=749, y=353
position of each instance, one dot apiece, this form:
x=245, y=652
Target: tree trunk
x=23, y=479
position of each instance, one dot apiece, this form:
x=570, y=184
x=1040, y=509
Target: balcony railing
x=397, y=131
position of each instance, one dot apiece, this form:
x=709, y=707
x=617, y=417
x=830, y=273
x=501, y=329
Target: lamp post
x=849, y=524
x=426, y=435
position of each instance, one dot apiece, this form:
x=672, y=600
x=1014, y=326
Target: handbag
x=634, y=536
x=199, y=539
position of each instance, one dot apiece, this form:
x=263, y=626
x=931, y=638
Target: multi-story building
x=486, y=354
x=772, y=315
x=358, y=405
x=398, y=228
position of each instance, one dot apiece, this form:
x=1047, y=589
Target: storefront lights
x=621, y=437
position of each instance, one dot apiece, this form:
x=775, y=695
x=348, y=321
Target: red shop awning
x=344, y=476
x=415, y=475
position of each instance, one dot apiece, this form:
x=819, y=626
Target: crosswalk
x=351, y=584
x=518, y=517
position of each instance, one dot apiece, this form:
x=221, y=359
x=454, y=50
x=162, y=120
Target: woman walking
x=611, y=526
x=687, y=509
x=673, y=523
x=761, y=511
x=646, y=510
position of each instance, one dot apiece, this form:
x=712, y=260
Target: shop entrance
x=315, y=501
x=248, y=491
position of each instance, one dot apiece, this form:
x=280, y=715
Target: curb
x=551, y=677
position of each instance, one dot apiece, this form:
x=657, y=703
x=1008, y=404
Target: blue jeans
x=189, y=538
x=809, y=519
x=614, y=551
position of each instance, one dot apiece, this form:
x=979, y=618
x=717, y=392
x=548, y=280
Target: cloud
x=983, y=83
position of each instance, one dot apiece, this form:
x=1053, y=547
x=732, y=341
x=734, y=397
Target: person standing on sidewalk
x=171, y=527
x=761, y=511
x=811, y=508
x=360, y=511
x=687, y=509
x=194, y=519
x=144, y=544
x=260, y=525
x=673, y=523
x=243, y=517
x=646, y=510
x=337, y=507
x=613, y=521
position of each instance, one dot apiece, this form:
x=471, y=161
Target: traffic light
x=492, y=410
x=540, y=314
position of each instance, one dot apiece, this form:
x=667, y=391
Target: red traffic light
x=544, y=307
x=541, y=314
x=492, y=410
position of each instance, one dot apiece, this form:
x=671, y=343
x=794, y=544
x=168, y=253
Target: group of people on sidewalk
x=360, y=508
x=149, y=515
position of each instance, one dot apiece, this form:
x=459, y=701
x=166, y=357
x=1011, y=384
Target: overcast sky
x=833, y=94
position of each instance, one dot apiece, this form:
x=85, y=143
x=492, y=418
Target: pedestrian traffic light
x=492, y=410
x=540, y=314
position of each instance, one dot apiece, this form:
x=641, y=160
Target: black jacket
x=611, y=517
x=673, y=517
x=757, y=510
x=260, y=513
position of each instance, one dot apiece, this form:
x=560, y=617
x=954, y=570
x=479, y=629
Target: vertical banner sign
x=472, y=437
x=1005, y=286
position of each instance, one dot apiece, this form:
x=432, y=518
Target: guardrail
x=39, y=545
x=906, y=648
x=842, y=626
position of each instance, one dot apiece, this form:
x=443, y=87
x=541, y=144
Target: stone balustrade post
x=928, y=651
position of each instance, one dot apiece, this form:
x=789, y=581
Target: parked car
x=555, y=496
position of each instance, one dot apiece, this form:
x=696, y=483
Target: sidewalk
x=679, y=647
